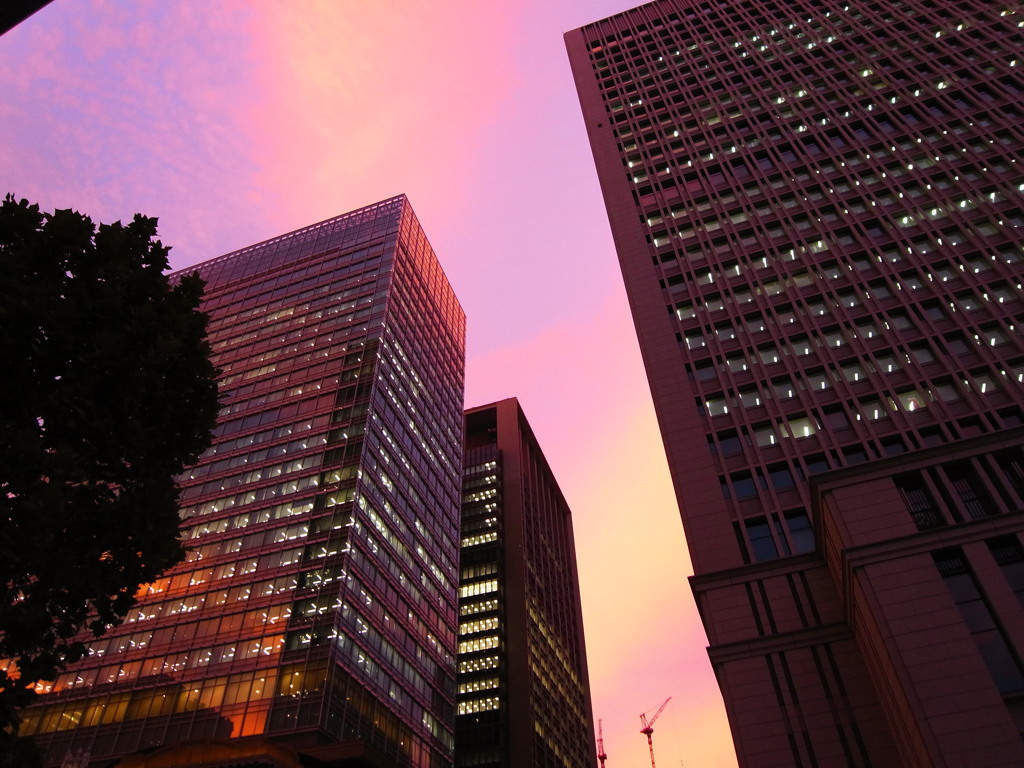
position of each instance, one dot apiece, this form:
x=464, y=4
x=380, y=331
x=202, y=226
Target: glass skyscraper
x=317, y=602
x=524, y=691
x=817, y=210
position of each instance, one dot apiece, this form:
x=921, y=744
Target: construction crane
x=648, y=727
x=600, y=745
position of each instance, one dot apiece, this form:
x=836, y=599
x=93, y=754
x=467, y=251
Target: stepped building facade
x=817, y=209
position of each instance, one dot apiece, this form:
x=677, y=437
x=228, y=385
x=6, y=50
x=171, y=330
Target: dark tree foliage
x=106, y=393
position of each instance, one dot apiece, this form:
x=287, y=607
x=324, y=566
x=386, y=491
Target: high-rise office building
x=524, y=693
x=816, y=206
x=317, y=603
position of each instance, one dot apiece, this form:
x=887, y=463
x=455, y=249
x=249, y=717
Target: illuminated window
x=765, y=436
x=911, y=400
x=783, y=389
x=479, y=705
x=716, y=406
x=478, y=588
x=479, y=644
x=817, y=307
x=817, y=382
x=724, y=333
x=887, y=363
x=750, y=398
x=802, y=346
x=478, y=539
x=685, y=311
x=853, y=372
x=983, y=383
x=483, y=606
x=801, y=427
x=479, y=664
x=993, y=336
x=873, y=409
x=479, y=625
x=834, y=339
x=736, y=363
x=474, y=686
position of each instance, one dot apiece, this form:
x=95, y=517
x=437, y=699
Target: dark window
x=934, y=312
x=958, y=345
x=854, y=454
x=922, y=354
x=1009, y=555
x=1011, y=417
x=782, y=478
x=729, y=442
x=800, y=531
x=762, y=545
x=835, y=419
x=817, y=463
x=706, y=370
x=743, y=485
x=1012, y=464
x=919, y=502
x=989, y=637
x=971, y=491
x=970, y=426
x=893, y=446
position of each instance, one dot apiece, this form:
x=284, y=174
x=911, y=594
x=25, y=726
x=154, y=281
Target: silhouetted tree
x=106, y=393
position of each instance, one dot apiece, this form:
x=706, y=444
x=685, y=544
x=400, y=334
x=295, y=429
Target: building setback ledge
x=777, y=643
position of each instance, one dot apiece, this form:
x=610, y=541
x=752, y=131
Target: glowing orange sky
x=238, y=121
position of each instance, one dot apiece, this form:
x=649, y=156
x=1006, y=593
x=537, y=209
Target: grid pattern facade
x=523, y=689
x=317, y=601
x=817, y=211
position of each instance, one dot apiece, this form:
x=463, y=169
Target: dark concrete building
x=817, y=208
x=524, y=693
x=317, y=604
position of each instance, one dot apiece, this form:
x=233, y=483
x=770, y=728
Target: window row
x=479, y=539
x=221, y=445
x=259, y=298
x=479, y=664
x=490, y=624
x=486, y=704
x=963, y=490
x=775, y=535
x=986, y=628
x=478, y=588
x=209, y=694
x=479, y=606
x=945, y=389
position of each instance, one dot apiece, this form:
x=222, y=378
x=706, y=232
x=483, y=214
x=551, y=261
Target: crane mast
x=648, y=727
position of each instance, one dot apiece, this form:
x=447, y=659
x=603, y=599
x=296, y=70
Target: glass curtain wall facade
x=523, y=688
x=817, y=211
x=317, y=602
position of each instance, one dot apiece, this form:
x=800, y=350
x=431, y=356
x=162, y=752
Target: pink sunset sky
x=237, y=121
